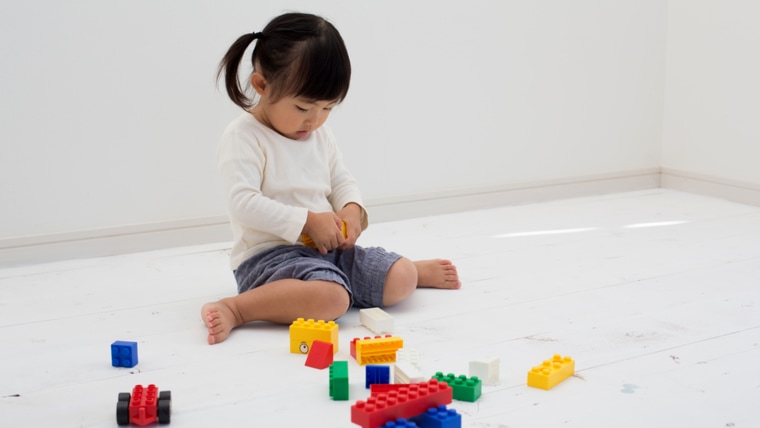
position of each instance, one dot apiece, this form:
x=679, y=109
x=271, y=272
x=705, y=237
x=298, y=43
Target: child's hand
x=351, y=214
x=325, y=231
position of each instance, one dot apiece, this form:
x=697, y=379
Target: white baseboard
x=215, y=229
x=421, y=205
x=736, y=191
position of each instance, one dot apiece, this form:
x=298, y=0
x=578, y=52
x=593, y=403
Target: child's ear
x=259, y=83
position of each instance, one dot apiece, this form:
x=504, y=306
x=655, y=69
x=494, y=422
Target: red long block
x=405, y=402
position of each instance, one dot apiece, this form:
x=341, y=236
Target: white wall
x=711, y=133
x=110, y=114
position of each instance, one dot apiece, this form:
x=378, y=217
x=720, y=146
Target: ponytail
x=229, y=68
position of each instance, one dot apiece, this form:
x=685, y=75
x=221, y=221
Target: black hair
x=299, y=54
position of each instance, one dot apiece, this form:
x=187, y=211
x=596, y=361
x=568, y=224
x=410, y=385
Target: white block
x=376, y=320
x=487, y=370
x=406, y=373
x=409, y=356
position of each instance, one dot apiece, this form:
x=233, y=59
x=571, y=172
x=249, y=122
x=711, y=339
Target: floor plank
x=653, y=293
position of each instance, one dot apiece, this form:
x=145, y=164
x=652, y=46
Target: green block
x=339, y=380
x=465, y=389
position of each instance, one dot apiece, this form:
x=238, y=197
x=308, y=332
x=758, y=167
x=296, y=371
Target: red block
x=320, y=355
x=143, y=406
x=405, y=402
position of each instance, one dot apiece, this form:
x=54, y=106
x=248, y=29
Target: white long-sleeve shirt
x=271, y=182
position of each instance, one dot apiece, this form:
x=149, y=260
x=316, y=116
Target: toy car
x=144, y=406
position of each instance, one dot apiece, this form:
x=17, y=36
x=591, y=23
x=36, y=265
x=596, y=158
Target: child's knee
x=334, y=301
x=400, y=282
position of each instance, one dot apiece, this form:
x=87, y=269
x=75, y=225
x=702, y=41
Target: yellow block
x=380, y=350
x=309, y=243
x=304, y=332
x=551, y=372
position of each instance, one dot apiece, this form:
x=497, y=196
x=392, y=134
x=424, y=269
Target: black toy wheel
x=164, y=409
x=122, y=409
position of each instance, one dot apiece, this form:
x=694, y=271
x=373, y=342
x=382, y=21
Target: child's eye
x=301, y=109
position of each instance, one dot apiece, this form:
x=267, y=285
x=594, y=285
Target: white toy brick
x=487, y=370
x=376, y=320
x=406, y=373
x=409, y=356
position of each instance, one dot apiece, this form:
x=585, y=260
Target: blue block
x=377, y=375
x=439, y=417
x=123, y=354
x=400, y=423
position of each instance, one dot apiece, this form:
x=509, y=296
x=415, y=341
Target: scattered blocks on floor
x=439, y=417
x=465, y=389
x=376, y=320
x=339, y=380
x=304, y=332
x=320, y=355
x=123, y=354
x=487, y=370
x=551, y=372
x=377, y=375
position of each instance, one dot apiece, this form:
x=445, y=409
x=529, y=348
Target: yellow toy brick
x=380, y=350
x=309, y=243
x=551, y=372
x=304, y=332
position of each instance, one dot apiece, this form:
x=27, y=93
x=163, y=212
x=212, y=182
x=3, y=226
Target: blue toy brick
x=377, y=375
x=439, y=417
x=400, y=423
x=123, y=354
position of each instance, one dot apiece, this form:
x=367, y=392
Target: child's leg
x=404, y=276
x=280, y=302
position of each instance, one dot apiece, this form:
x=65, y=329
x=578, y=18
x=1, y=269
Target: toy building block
x=404, y=372
x=408, y=356
x=465, y=389
x=376, y=320
x=400, y=423
x=551, y=372
x=320, y=355
x=307, y=241
x=376, y=375
x=339, y=380
x=356, y=339
x=304, y=332
x=123, y=354
x=487, y=370
x=406, y=402
x=144, y=406
x=378, y=351
x=439, y=417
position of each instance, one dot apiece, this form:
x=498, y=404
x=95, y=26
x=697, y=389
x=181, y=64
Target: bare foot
x=437, y=273
x=219, y=319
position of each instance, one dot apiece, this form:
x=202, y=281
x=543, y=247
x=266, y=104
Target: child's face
x=295, y=117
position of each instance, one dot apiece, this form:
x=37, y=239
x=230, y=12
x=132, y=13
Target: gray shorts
x=361, y=271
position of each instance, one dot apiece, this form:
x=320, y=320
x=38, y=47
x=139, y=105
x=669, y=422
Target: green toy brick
x=339, y=380
x=465, y=389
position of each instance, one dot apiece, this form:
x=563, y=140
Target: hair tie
x=257, y=35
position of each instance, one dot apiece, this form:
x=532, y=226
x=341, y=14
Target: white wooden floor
x=654, y=293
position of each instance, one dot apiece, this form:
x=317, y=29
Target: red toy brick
x=144, y=406
x=320, y=355
x=405, y=402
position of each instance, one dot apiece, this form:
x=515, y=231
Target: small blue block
x=439, y=417
x=400, y=423
x=377, y=375
x=123, y=354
